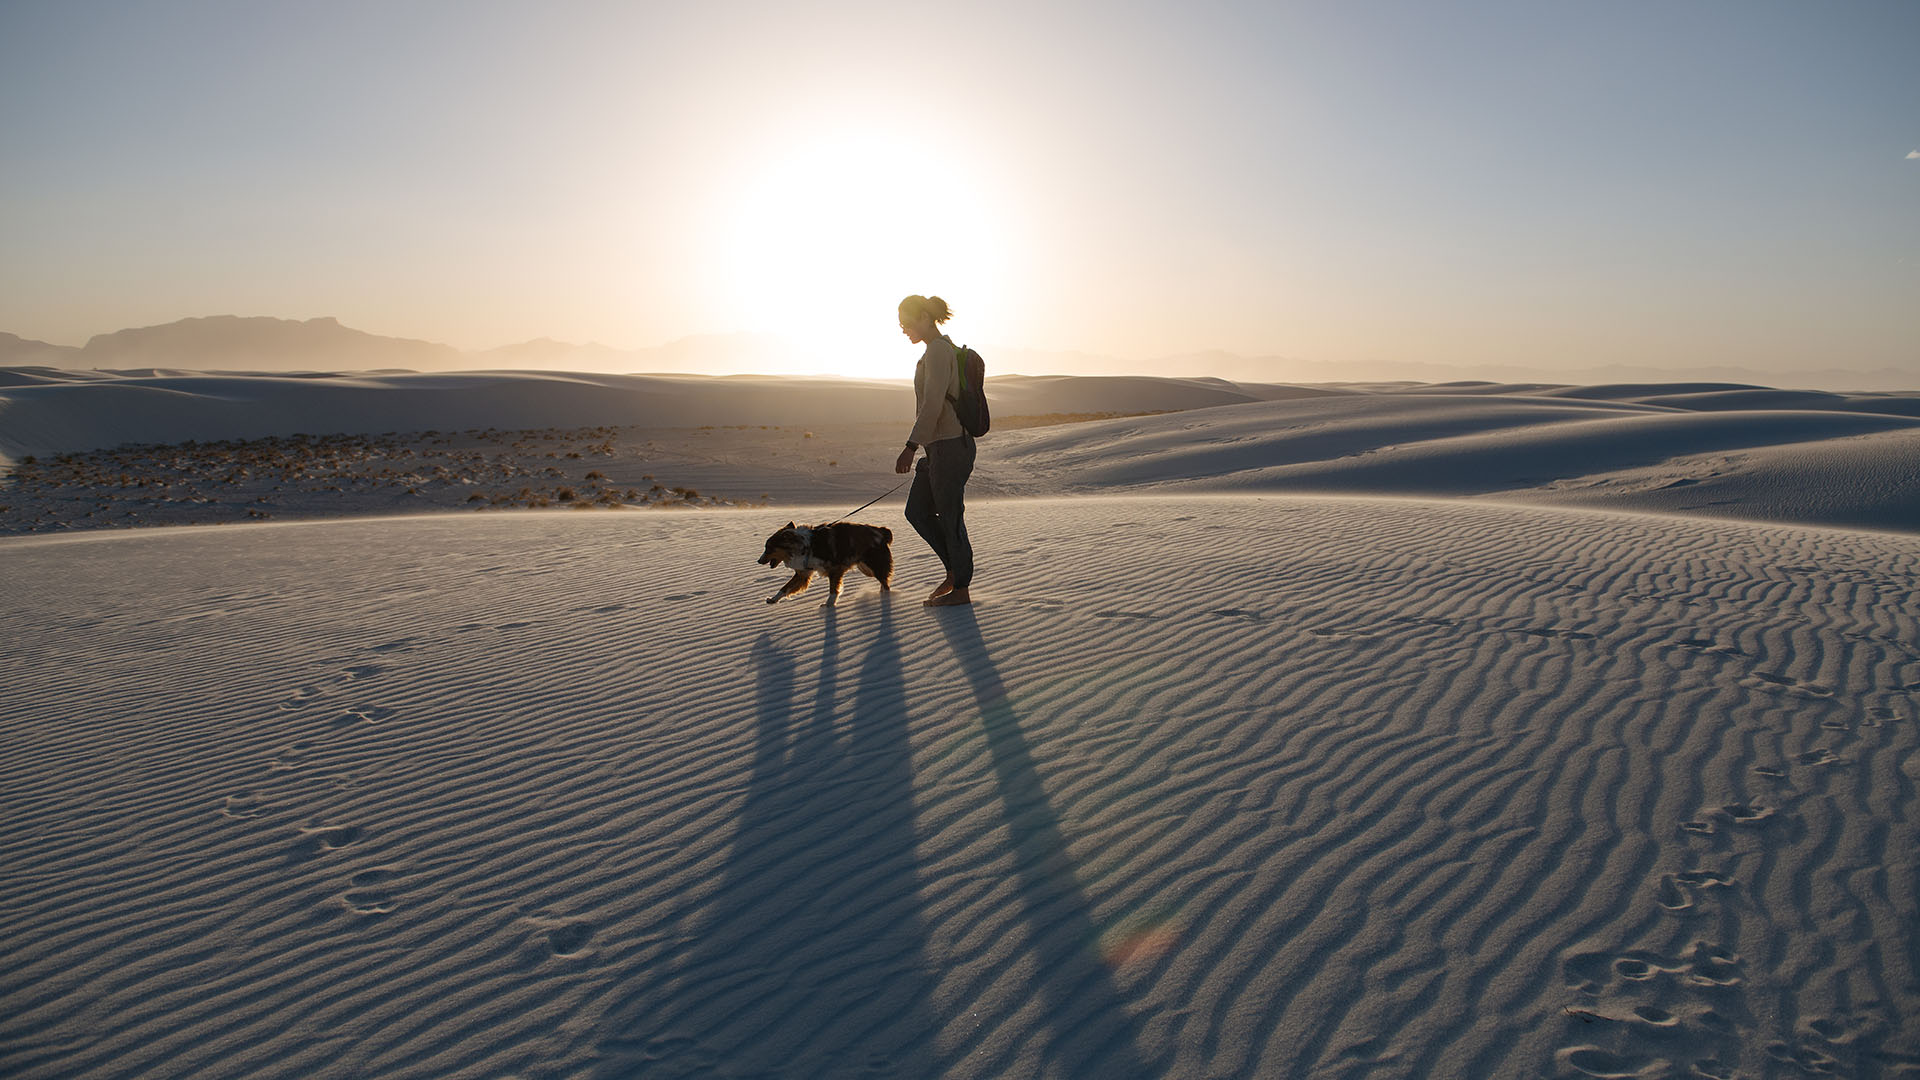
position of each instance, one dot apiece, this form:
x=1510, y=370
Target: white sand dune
x=1237, y=767
x=79, y=415
x=1835, y=466
x=1713, y=449
x=1201, y=787
x=47, y=411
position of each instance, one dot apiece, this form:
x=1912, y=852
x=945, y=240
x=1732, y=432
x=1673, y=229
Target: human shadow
x=1094, y=1035
x=808, y=957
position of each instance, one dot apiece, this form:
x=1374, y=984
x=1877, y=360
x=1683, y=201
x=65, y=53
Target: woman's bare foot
x=941, y=589
x=950, y=598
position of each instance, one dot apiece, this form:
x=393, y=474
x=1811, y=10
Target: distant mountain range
x=263, y=344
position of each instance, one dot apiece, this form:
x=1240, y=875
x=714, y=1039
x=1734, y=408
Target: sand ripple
x=1201, y=787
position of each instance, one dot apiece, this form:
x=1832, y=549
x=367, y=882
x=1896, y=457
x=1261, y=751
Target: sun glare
x=820, y=243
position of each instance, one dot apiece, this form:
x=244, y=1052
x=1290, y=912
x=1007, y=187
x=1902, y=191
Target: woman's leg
x=949, y=464
x=922, y=515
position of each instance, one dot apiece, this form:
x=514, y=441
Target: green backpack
x=971, y=405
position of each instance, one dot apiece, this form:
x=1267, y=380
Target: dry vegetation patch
x=304, y=476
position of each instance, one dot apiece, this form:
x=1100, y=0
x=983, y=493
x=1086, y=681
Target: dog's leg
x=881, y=561
x=794, y=587
x=833, y=584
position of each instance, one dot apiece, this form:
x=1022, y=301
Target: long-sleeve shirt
x=933, y=380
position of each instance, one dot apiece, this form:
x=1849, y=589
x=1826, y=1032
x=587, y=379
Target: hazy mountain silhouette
x=258, y=343
x=25, y=352
x=265, y=344
x=262, y=344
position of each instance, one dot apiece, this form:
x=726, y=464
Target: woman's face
x=918, y=328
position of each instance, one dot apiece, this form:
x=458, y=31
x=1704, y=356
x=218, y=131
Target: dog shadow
x=806, y=955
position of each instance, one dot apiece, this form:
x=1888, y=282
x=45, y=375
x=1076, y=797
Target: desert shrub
x=596, y=475
x=565, y=494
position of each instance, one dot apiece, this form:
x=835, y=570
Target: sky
x=1351, y=183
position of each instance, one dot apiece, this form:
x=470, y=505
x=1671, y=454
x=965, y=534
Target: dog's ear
x=789, y=524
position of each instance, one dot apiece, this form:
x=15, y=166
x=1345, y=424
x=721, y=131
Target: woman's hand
x=905, y=463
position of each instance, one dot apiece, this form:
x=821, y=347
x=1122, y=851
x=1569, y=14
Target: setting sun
x=822, y=240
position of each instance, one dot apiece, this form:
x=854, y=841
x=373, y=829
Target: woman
x=936, y=504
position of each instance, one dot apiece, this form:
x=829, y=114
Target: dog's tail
x=886, y=534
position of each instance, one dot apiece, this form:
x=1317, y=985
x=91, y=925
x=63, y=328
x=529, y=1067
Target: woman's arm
x=933, y=390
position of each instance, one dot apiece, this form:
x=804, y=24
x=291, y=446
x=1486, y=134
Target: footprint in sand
x=1596, y=1061
x=569, y=940
x=1703, y=965
x=1683, y=891
x=392, y=646
x=1821, y=757
x=1118, y=614
x=1555, y=632
x=244, y=805
x=1594, y=971
x=1804, y=1057
x=319, y=840
x=291, y=757
x=1709, y=966
x=364, y=671
x=1742, y=815
x=370, y=893
x=1705, y=645
x=302, y=697
x=565, y=939
x=363, y=714
x=1782, y=684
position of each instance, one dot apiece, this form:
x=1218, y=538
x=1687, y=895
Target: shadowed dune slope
x=1835, y=467
x=46, y=411
x=1255, y=786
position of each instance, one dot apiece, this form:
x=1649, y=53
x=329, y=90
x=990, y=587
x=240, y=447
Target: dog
x=834, y=548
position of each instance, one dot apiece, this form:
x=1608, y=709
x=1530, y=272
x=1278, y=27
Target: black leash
x=868, y=503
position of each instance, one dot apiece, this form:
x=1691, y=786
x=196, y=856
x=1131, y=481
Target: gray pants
x=937, y=508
